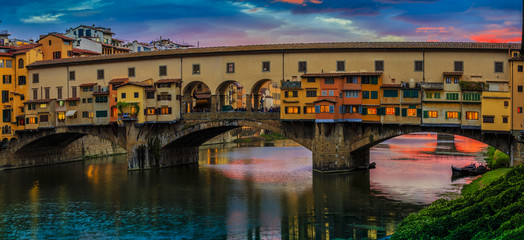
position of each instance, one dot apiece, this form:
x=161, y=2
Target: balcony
x=291, y=85
x=472, y=86
x=127, y=117
x=431, y=86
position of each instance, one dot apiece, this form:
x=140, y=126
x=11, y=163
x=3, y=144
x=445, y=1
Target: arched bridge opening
x=48, y=146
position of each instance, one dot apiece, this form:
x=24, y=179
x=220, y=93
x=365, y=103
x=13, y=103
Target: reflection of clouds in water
x=407, y=171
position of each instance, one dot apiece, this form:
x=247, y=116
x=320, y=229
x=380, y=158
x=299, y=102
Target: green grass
x=495, y=211
x=484, y=180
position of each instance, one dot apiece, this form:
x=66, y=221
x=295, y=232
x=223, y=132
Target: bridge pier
x=517, y=152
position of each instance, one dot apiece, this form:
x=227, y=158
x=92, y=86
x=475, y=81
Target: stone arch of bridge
x=196, y=97
x=499, y=141
x=60, y=138
x=254, y=93
x=198, y=133
x=227, y=93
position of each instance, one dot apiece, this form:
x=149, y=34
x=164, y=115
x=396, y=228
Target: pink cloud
x=497, y=36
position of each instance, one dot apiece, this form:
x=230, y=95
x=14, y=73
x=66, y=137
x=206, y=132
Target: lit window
x=32, y=120
x=433, y=114
x=292, y=110
x=150, y=111
x=61, y=116
x=390, y=111
x=324, y=109
x=452, y=114
x=372, y=111
x=472, y=115
x=43, y=105
x=412, y=112
x=310, y=110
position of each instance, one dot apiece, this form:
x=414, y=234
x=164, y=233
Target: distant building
x=96, y=39
x=136, y=46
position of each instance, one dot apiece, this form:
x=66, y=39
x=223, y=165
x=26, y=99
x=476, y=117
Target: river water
x=259, y=191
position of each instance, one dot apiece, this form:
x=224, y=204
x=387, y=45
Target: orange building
x=371, y=83
x=56, y=46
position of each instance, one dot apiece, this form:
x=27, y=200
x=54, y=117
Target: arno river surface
x=263, y=191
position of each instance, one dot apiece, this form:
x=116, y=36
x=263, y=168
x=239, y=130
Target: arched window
x=20, y=63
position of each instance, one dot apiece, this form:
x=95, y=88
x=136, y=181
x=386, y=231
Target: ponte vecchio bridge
x=338, y=99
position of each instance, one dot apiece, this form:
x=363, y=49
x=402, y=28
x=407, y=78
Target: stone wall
x=91, y=146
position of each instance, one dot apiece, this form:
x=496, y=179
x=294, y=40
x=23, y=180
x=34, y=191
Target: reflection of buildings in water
x=341, y=206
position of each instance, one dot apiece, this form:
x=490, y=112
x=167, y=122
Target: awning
x=70, y=113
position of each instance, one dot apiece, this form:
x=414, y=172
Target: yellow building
x=144, y=102
x=496, y=107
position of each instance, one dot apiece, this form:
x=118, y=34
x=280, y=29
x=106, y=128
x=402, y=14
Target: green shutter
x=26, y=120
x=419, y=112
x=426, y=115
x=374, y=80
x=460, y=113
x=404, y=112
x=364, y=111
x=381, y=111
x=36, y=120
x=446, y=112
x=397, y=111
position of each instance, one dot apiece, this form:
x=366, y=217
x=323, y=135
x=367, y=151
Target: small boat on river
x=469, y=170
x=367, y=166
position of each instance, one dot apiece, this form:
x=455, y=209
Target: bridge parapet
x=232, y=116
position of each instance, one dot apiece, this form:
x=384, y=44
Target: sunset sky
x=241, y=22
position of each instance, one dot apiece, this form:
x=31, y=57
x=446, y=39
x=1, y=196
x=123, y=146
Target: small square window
x=266, y=67
x=459, y=66
x=196, y=68
x=519, y=88
x=379, y=65
x=341, y=66
x=499, y=67
x=136, y=94
x=123, y=95
x=419, y=66
x=131, y=72
x=162, y=70
x=230, y=67
x=302, y=66
x=100, y=74
x=519, y=67
x=72, y=76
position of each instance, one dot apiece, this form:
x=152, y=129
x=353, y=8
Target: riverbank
x=261, y=137
x=494, y=211
x=484, y=180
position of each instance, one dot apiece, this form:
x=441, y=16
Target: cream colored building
x=252, y=67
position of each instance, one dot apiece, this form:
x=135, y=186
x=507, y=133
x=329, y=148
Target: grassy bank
x=495, y=211
x=496, y=158
x=484, y=180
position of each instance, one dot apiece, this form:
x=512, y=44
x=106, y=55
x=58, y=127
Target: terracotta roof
x=58, y=36
x=122, y=48
x=341, y=74
x=118, y=80
x=76, y=50
x=6, y=54
x=452, y=73
x=325, y=100
x=100, y=93
x=177, y=80
x=73, y=99
x=291, y=47
x=20, y=116
x=40, y=100
x=139, y=84
x=87, y=85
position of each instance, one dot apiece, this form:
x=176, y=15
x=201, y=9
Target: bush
x=495, y=211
